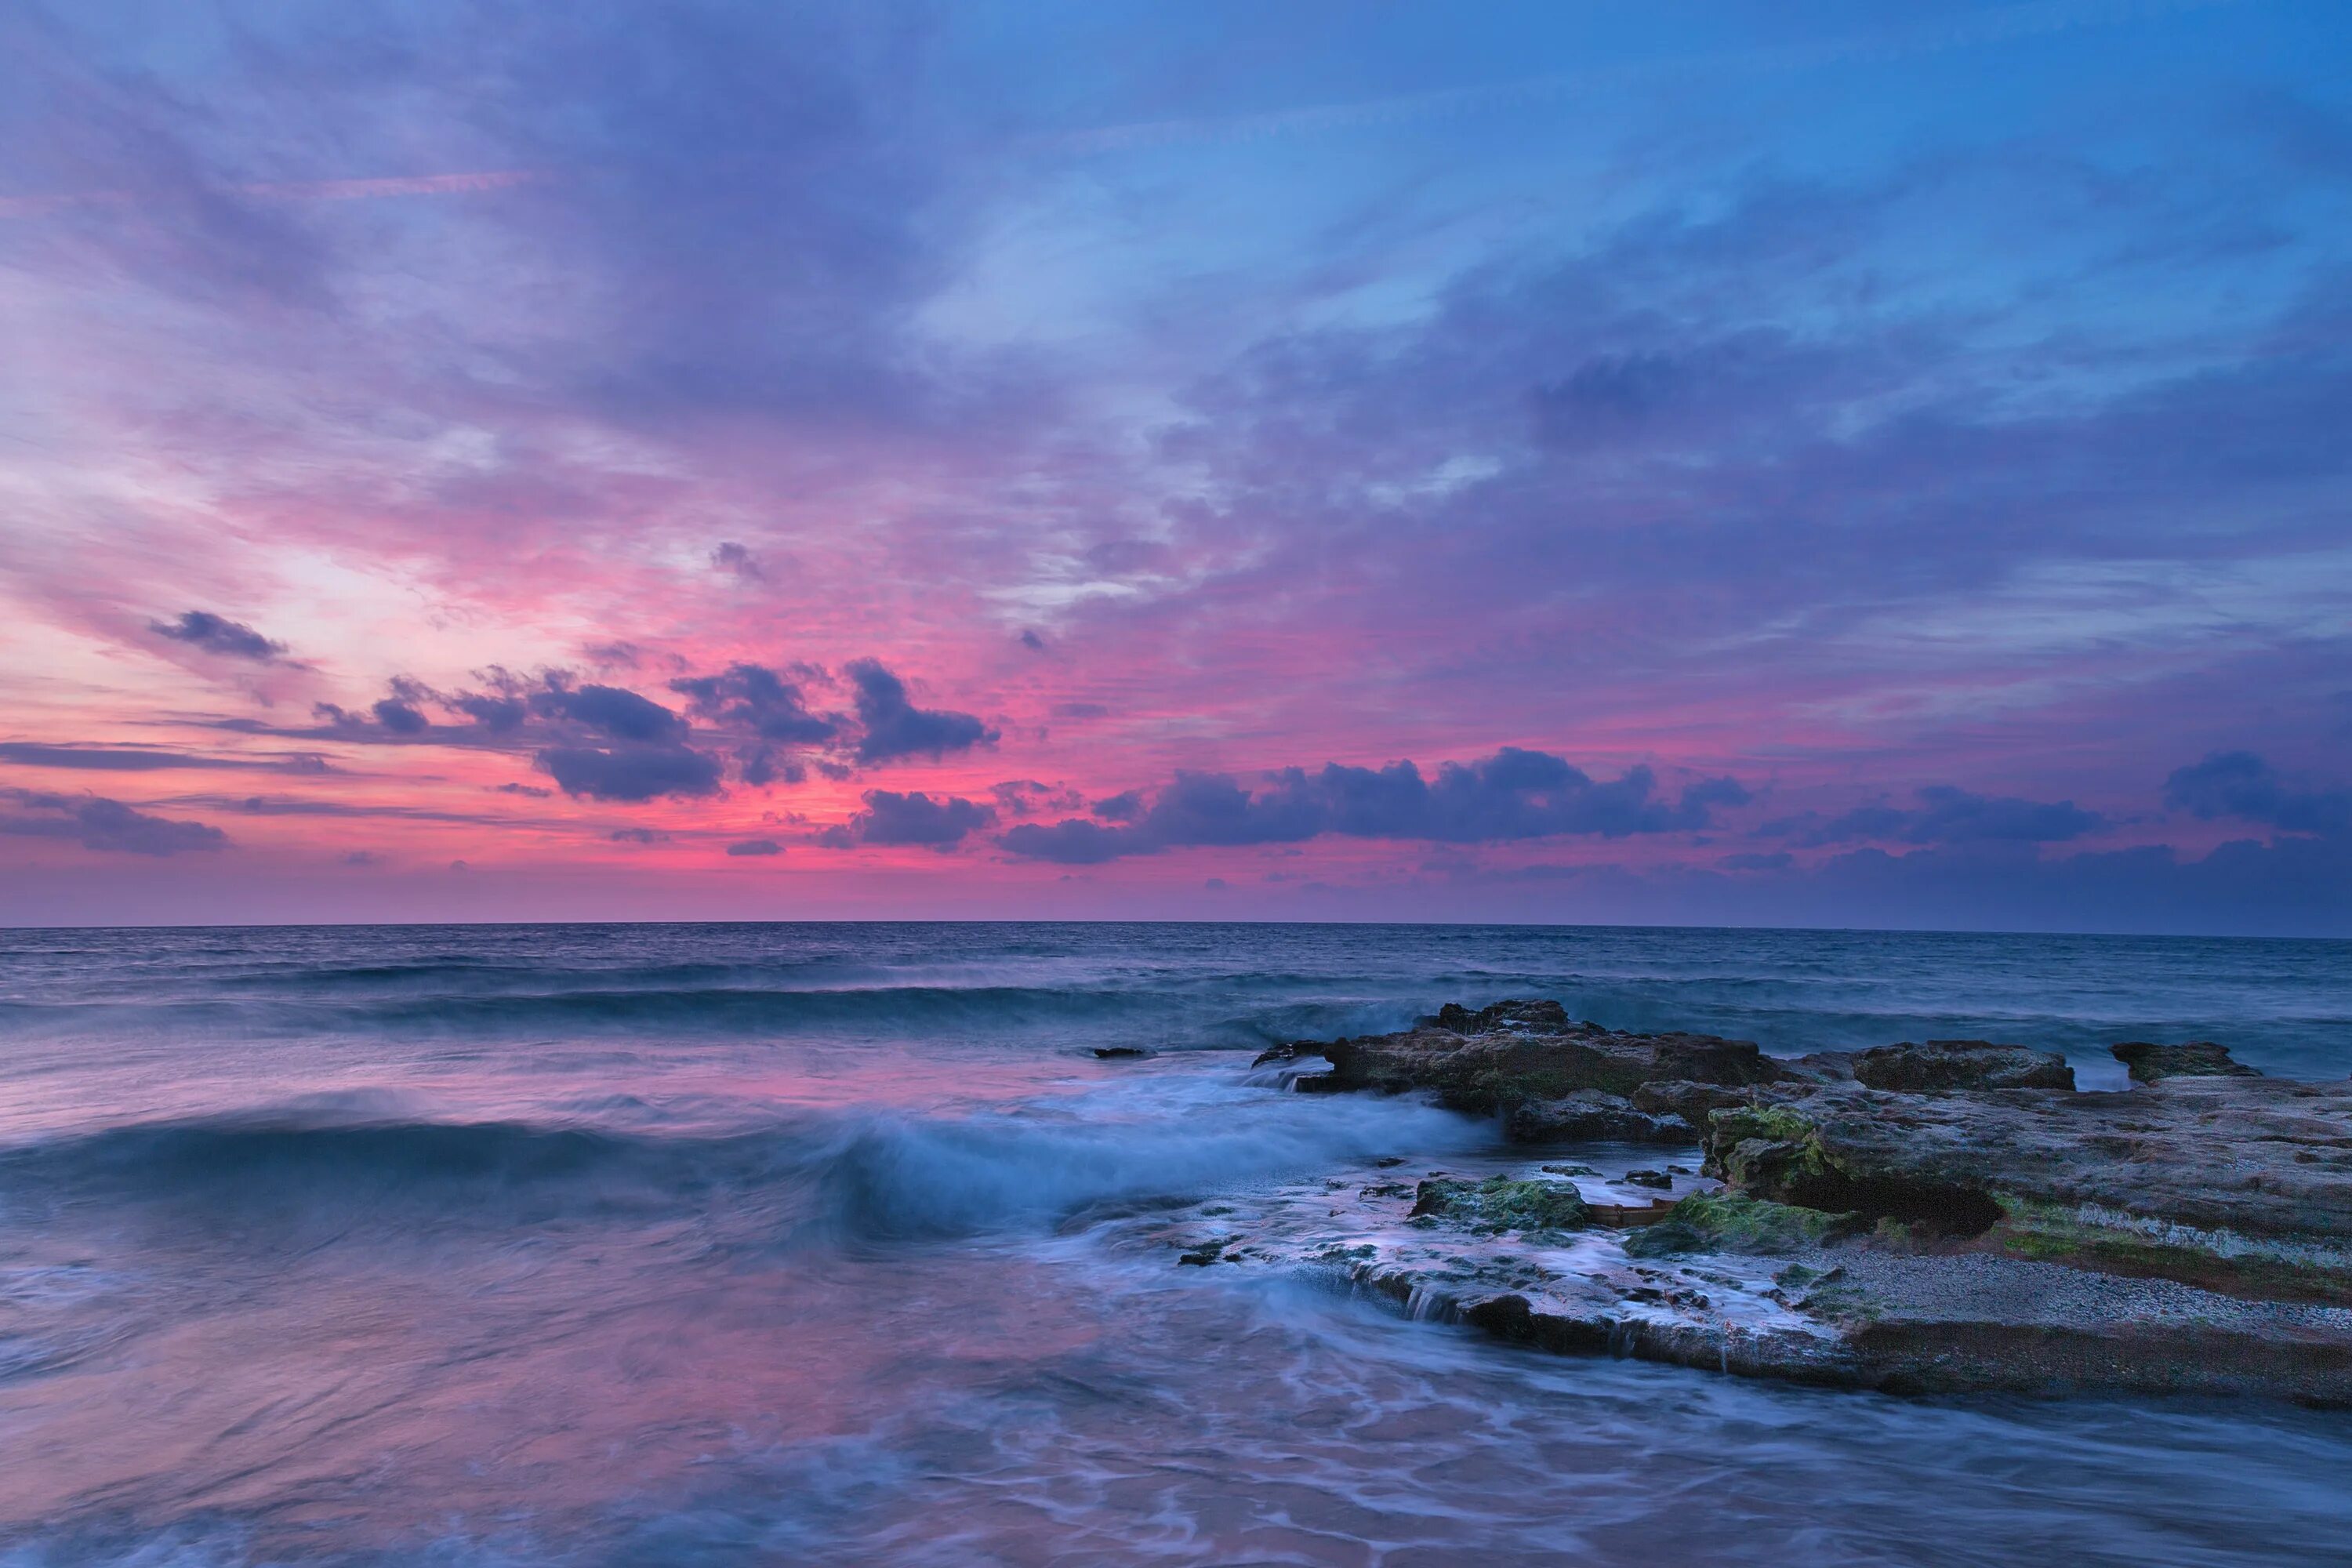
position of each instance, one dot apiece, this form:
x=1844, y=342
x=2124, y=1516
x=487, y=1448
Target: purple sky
x=1803, y=463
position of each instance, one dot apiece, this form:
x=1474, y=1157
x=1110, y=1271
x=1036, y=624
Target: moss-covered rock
x=1733, y=1222
x=1780, y=1153
x=1501, y=1202
x=2110, y=1241
x=1767, y=1151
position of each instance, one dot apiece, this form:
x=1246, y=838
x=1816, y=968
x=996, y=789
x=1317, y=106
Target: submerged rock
x=2191, y=1059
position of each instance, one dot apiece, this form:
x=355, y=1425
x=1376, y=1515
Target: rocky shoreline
x=1918, y=1217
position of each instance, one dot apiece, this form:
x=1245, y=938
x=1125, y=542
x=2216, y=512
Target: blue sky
x=1888, y=466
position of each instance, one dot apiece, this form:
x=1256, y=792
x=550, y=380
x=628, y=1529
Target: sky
x=1795, y=464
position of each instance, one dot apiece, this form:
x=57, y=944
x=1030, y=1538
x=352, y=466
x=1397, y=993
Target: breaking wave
x=860, y=1176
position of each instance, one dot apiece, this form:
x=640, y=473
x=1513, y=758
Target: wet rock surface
x=1934, y=1216
x=2192, y=1058
x=2265, y=1157
x=1942, y=1065
x=1524, y=1056
x=1590, y=1115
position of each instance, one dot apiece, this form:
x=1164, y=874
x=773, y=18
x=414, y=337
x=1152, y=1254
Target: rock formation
x=1949, y=1214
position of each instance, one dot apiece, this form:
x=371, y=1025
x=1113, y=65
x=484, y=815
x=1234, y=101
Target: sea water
x=818, y=1244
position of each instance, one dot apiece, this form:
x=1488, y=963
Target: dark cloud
x=1074, y=842
x=398, y=716
x=1026, y=797
x=500, y=712
x=362, y=857
x=613, y=711
x=1514, y=794
x=630, y=772
x=2242, y=786
x=216, y=633
x=761, y=766
x=737, y=561
x=638, y=835
x=895, y=727
x=401, y=718
x=890, y=818
x=753, y=698
x=755, y=846
x=1125, y=806
x=1944, y=815
x=96, y=823
x=533, y=791
x=1032, y=642
x=149, y=759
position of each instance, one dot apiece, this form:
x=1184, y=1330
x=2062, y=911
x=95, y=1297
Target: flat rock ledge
x=1931, y=1217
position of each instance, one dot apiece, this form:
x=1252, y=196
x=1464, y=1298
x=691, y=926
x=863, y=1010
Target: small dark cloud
x=638, y=835
x=753, y=698
x=761, y=766
x=894, y=819
x=613, y=655
x=1944, y=814
x=1215, y=884
x=400, y=715
x=533, y=791
x=500, y=712
x=1125, y=806
x=755, y=846
x=401, y=718
x=217, y=634
x=738, y=562
x=1074, y=842
x=1026, y=797
x=630, y=772
x=1080, y=710
x=896, y=727
x=613, y=711
x=108, y=826
x=2242, y=786
x=362, y=857
x=1032, y=642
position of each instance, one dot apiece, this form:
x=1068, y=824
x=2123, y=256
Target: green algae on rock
x=1734, y=1222
x=1946, y=1217
x=1503, y=1204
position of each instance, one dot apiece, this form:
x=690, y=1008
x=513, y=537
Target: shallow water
x=608, y=1244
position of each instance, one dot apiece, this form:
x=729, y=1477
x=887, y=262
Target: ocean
x=837, y=1244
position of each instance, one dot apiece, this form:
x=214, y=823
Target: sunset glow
x=1548, y=466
